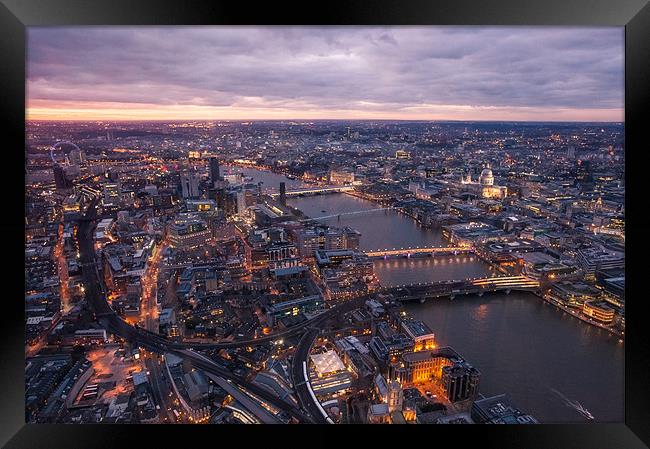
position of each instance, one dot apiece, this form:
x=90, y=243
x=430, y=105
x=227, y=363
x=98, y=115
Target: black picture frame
x=16, y=15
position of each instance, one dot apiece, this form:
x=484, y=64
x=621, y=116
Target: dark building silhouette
x=583, y=171
x=214, y=170
x=461, y=382
x=283, y=194
x=60, y=179
x=218, y=194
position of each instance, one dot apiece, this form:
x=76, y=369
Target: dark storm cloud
x=329, y=68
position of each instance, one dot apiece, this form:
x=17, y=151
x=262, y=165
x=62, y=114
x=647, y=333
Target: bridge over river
x=419, y=251
x=453, y=288
x=315, y=191
x=345, y=214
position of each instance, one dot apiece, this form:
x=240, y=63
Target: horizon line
x=171, y=120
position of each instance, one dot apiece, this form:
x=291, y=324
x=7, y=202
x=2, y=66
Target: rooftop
x=327, y=363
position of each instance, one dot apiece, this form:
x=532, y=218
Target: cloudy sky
x=428, y=73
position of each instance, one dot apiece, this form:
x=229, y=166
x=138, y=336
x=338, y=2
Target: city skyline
x=327, y=225
x=325, y=73
x=324, y=272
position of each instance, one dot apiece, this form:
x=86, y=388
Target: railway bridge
x=453, y=288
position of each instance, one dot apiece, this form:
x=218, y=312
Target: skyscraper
x=583, y=171
x=189, y=185
x=283, y=194
x=214, y=170
x=241, y=202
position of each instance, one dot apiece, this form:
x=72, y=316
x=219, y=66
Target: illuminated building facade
x=422, y=366
x=597, y=258
x=574, y=294
x=201, y=205
x=340, y=177
x=71, y=207
x=392, y=348
x=421, y=334
x=395, y=397
x=484, y=187
x=242, y=203
x=309, y=240
x=188, y=231
x=600, y=311
x=282, y=255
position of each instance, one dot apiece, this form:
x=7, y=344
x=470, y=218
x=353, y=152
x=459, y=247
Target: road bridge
x=419, y=251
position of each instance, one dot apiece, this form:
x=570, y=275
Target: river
x=523, y=346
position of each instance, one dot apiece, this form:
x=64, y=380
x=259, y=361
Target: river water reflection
x=523, y=346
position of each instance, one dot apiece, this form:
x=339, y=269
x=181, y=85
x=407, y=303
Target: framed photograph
x=399, y=215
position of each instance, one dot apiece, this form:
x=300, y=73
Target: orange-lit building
x=422, y=366
x=421, y=334
x=599, y=311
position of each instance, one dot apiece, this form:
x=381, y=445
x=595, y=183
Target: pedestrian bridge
x=344, y=214
x=316, y=191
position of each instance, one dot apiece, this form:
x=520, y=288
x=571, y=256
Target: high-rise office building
x=218, y=193
x=229, y=203
x=214, y=170
x=189, y=185
x=241, y=202
x=283, y=194
x=583, y=171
